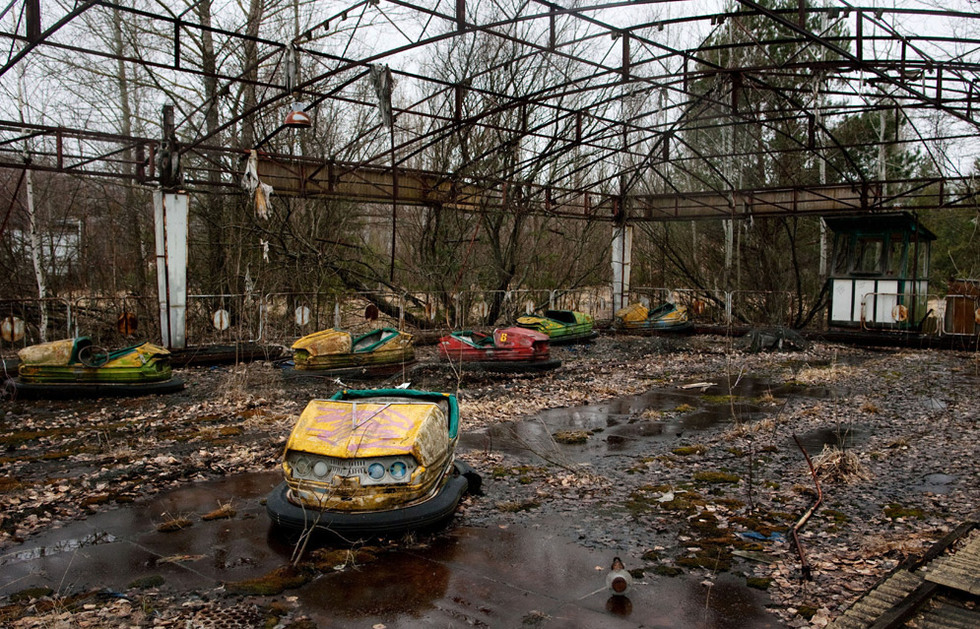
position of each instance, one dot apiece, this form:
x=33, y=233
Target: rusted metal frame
x=13, y=200
x=81, y=134
x=491, y=183
x=332, y=94
x=579, y=13
x=33, y=42
x=150, y=64
x=868, y=66
x=103, y=157
x=908, y=41
x=213, y=155
x=800, y=106
x=517, y=40
x=541, y=159
x=794, y=530
x=594, y=88
x=173, y=19
x=675, y=129
x=22, y=138
x=325, y=24
x=763, y=194
x=907, y=192
x=449, y=130
x=363, y=64
x=647, y=162
x=58, y=157
x=108, y=174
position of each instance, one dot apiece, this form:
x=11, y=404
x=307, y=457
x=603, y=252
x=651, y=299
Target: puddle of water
x=480, y=576
x=936, y=483
x=64, y=546
x=626, y=425
x=513, y=577
x=113, y=548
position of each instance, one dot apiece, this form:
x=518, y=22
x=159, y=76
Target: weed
x=173, y=523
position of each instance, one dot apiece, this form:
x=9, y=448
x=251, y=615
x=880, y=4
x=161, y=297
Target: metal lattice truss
x=646, y=110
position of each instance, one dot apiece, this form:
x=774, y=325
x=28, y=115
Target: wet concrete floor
x=503, y=576
x=491, y=577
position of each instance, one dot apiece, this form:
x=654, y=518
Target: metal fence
x=281, y=318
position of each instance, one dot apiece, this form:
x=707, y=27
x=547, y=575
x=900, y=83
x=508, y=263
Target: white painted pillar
x=170, y=218
x=622, y=256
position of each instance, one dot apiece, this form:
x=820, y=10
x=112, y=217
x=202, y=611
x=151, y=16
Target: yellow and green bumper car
x=77, y=367
x=372, y=463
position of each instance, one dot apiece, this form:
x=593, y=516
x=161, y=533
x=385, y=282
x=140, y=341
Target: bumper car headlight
x=398, y=470
x=320, y=469
x=376, y=471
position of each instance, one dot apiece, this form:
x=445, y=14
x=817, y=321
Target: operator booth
x=879, y=277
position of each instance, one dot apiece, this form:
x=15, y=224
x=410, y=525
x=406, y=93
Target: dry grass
x=244, y=380
x=819, y=375
x=173, y=523
x=870, y=408
x=878, y=545
x=840, y=466
x=222, y=512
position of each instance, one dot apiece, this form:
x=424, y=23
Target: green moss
x=571, y=437
x=764, y=524
x=275, y=582
x=690, y=450
x=715, y=477
x=806, y=611
x=518, y=505
x=651, y=556
x=149, y=581
x=639, y=504
x=706, y=525
x=719, y=399
x=714, y=558
x=668, y=571
x=660, y=489
x=732, y=503
x=326, y=559
x=759, y=583
x=894, y=511
x=498, y=471
x=835, y=516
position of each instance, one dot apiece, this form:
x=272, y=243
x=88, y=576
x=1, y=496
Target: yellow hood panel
x=633, y=313
x=348, y=429
x=325, y=342
x=53, y=353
